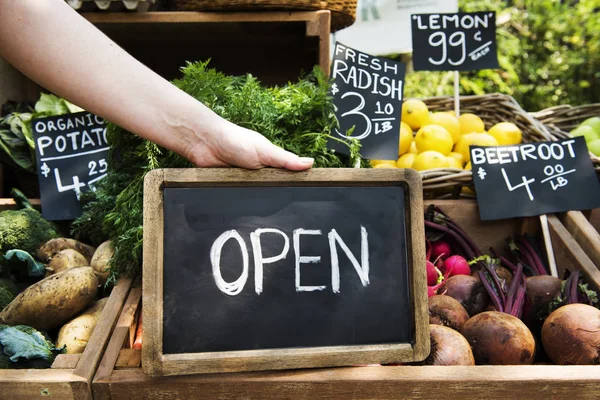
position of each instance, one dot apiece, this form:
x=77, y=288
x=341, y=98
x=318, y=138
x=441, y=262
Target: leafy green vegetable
x=16, y=258
x=298, y=117
x=18, y=344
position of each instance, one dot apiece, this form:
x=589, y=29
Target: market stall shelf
x=71, y=374
x=120, y=375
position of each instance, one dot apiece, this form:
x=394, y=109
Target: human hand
x=228, y=145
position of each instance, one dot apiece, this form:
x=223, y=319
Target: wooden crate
x=71, y=375
x=120, y=376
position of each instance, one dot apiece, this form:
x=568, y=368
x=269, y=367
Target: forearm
x=56, y=47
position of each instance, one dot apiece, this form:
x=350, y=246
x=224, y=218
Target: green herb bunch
x=298, y=117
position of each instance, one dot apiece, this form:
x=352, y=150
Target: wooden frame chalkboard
x=160, y=359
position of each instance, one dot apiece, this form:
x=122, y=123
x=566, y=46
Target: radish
x=455, y=265
x=433, y=274
x=440, y=250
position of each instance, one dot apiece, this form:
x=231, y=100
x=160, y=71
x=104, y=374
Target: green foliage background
x=548, y=51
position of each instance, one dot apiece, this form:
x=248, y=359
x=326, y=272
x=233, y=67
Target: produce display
x=430, y=140
x=505, y=305
x=50, y=296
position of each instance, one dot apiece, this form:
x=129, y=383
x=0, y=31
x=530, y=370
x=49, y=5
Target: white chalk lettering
x=362, y=269
x=235, y=287
x=305, y=259
x=259, y=260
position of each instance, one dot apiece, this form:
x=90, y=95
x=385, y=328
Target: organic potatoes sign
x=71, y=154
x=273, y=269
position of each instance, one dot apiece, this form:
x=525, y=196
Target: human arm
x=56, y=47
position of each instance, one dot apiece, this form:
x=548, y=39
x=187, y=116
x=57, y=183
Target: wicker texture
x=560, y=120
x=492, y=108
x=343, y=12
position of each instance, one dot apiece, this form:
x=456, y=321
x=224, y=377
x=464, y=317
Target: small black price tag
x=367, y=93
x=71, y=154
x=534, y=179
x=454, y=42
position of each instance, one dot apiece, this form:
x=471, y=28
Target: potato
x=65, y=259
x=100, y=260
x=54, y=300
x=76, y=333
x=53, y=246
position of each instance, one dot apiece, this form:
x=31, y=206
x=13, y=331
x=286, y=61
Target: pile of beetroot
x=503, y=309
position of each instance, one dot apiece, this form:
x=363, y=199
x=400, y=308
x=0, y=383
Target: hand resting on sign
x=52, y=44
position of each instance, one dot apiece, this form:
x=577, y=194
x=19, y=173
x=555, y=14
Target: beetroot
x=540, y=290
x=448, y=347
x=455, y=265
x=440, y=250
x=446, y=311
x=468, y=290
x=498, y=338
x=571, y=335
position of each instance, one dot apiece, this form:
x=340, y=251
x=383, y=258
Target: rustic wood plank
x=9, y=203
x=66, y=361
x=573, y=252
x=93, y=352
x=32, y=383
x=129, y=358
x=585, y=234
x=119, y=334
x=195, y=17
x=154, y=362
x=324, y=40
x=398, y=382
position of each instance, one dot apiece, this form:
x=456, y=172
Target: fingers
x=273, y=156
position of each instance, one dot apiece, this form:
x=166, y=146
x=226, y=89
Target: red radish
x=433, y=273
x=440, y=249
x=455, y=265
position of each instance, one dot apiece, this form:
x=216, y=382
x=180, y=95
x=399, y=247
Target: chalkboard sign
x=367, y=94
x=454, y=42
x=270, y=269
x=71, y=153
x=534, y=179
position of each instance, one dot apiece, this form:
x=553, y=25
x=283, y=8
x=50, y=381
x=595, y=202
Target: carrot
x=137, y=344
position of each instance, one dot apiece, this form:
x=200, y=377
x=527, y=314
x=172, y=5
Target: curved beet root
x=498, y=338
x=448, y=347
x=571, y=335
x=468, y=290
x=446, y=311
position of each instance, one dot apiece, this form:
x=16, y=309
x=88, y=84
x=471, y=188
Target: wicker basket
x=560, y=120
x=492, y=108
x=343, y=12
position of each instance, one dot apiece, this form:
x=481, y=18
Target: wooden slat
x=66, y=361
x=574, y=252
x=129, y=358
x=402, y=382
x=119, y=334
x=55, y=383
x=93, y=352
x=194, y=17
x=585, y=234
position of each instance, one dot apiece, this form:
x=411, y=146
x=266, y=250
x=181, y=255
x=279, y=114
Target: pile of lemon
x=431, y=140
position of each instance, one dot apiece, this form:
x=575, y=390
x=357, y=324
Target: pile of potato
x=67, y=298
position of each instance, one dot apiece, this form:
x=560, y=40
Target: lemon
x=470, y=123
x=385, y=165
x=506, y=133
x=453, y=163
x=448, y=122
x=406, y=160
x=459, y=157
x=375, y=163
x=475, y=139
x=434, y=137
x=468, y=167
x=415, y=113
x=413, y=148
x=428, y=160
x=406, y=138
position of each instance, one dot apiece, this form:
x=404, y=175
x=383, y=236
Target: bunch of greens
x=548, y=51
x=22, y=346
x=298, y=117
x=16, y=134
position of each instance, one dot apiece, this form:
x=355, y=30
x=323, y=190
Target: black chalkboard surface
x=252, y=269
